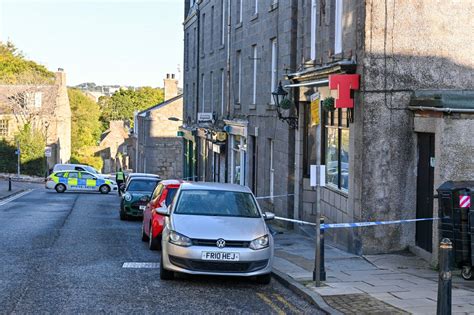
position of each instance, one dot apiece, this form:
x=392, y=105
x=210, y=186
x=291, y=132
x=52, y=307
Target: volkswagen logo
x=220, y=243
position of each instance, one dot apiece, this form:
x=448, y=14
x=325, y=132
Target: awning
x=321, y=82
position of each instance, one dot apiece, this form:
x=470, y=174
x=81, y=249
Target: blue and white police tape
x=357, y=224
x=275, y=196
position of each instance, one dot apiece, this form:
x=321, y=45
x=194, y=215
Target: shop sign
x=464, y=201
x=315, y=119
x=205, y=117
x=344, y=84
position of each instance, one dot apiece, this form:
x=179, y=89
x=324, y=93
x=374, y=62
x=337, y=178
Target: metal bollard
x=444, y=281
x=9, y=184
x=322, y=270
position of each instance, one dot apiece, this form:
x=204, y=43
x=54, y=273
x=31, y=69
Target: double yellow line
x=275, y=307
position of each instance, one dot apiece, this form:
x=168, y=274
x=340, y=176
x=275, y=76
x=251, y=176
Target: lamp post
x=281, y=102
x=46, y=126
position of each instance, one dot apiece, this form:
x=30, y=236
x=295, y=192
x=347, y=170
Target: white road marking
x=5, y=201
x=138, y=265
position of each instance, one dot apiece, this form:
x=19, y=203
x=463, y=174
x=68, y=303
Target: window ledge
x=254, y=17
x=221, y=47
x=211, y=52
x=252, y=106
x=238, y=25
x=203, y=56
x=237, y=106
x=271, y=106
x=337, y=190
x=273, y=7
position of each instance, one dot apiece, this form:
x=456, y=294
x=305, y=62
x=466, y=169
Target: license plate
x=142, y=207
x=220, y=256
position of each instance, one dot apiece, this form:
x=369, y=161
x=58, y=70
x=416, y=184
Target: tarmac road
x=64, y=253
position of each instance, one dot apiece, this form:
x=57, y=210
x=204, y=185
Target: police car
x=79, y=181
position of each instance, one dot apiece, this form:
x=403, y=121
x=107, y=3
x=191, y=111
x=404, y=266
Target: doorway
x=424, y=190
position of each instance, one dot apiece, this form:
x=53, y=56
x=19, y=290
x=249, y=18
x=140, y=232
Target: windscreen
x=147, y=185
x=217, y=203
x=91, y=170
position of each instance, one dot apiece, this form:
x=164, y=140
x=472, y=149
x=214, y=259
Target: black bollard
x=444, y=281
x=322, y=270
x=9, y=184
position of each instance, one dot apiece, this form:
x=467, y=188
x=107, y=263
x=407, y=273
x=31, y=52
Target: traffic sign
x=464, y=201
x=47, y=151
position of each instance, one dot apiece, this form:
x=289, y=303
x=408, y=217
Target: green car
x=136, y=196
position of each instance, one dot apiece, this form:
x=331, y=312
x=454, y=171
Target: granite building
x=381, y=93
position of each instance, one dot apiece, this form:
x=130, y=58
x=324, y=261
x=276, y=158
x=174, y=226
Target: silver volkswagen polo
x=216, y=229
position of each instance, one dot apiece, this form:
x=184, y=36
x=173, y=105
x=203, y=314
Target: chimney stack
x=171, y=86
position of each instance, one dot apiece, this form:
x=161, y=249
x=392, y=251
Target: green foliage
x=15, y=69
x=124, y=103
x=32, y=144
x=8, y=157
x=85, y=128
x=328, y=104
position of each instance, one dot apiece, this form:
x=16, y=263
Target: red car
x=153, y=222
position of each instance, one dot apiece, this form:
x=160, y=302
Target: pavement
x=399, y=283
x=18, y=186
x=67, y=254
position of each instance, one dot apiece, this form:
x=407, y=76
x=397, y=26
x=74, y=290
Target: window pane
x=332, y=149
x=345, y=159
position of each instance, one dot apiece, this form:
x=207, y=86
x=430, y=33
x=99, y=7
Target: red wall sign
x=344, y=83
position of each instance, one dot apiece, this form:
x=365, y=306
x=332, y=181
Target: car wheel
x=144, y=236
x=60, y=188
x=154, y=243
x=466, y=273
x=264, y=279
x=104, y=189
x=165, y=274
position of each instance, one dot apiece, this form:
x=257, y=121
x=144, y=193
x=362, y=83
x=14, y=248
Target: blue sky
x=122, y=42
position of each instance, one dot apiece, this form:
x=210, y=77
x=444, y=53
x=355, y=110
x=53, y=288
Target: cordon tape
x=353, y=225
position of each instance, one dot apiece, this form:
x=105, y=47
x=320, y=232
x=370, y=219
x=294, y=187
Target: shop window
x=336, y=148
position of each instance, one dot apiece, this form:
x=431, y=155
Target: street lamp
x=174, y=119
x=282, y=102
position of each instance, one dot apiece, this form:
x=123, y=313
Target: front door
x=424, y=190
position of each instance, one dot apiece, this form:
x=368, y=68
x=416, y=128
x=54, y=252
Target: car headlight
x=144, y=198
x=179, y=239
x=127, y=197
x=260, y=243
x=113, y=183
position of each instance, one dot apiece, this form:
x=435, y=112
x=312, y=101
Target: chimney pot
x=60, y=69
x=172, y=76
x=167, y=75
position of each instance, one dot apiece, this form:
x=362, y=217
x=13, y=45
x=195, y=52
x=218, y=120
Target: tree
x=85, y=128
x=32, y=143
x=123, y=103
x=15, y=69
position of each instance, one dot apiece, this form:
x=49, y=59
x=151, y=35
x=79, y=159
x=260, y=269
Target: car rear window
x=217, y=203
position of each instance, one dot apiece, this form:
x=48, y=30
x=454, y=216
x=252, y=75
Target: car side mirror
x=163, y=211
x=269, y=216
x=122, y=187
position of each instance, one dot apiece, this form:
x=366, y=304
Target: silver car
x=216, y=229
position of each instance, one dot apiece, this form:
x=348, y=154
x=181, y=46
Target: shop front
x=237, y=131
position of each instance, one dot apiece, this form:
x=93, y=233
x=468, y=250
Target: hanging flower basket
x=286, y=104
x=328, y=104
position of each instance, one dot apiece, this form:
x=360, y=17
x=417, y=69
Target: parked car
x=79, y=181
x=78, y=167
x=153, y=222
x=132, y=175
x=136, y=195
x=216, y=229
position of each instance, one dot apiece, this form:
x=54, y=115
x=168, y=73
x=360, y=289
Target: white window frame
x=338, y=27
x=254, y=92
x=203, y=109
x=239, y=76
x=211, y=79
x=256, y=7
x=240, y=11
x=272, y=170
x=222, y=91
x=313, y=29
x=223, y=22
x=274, y=70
